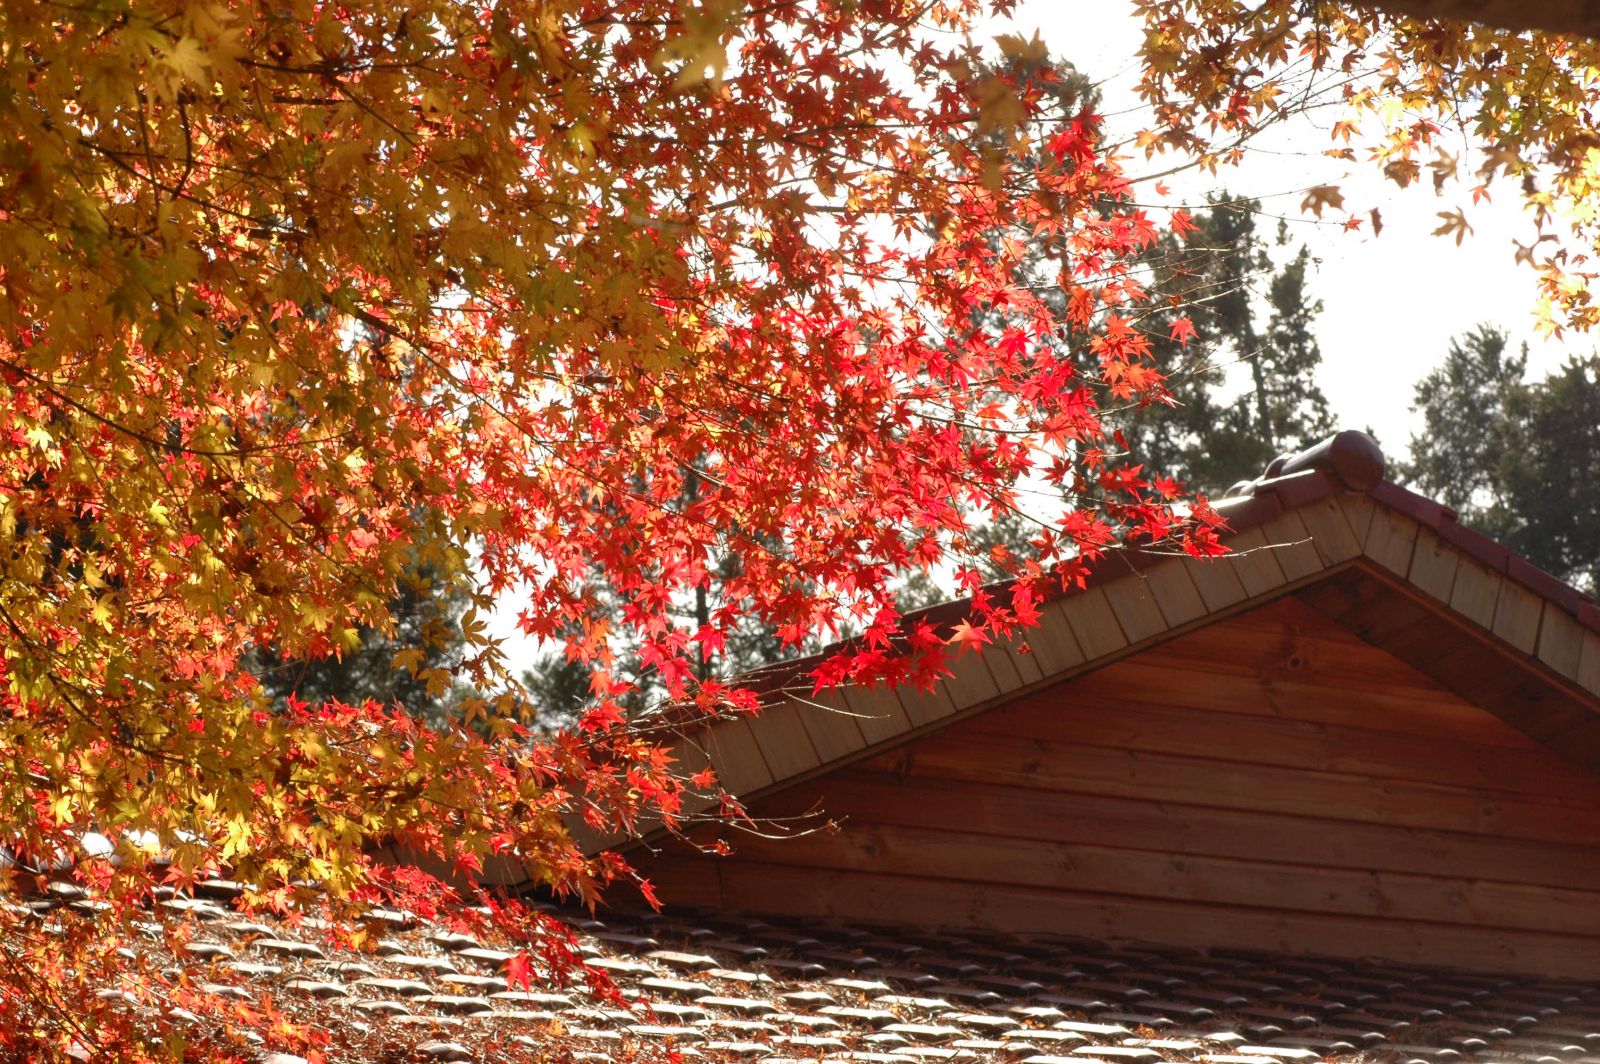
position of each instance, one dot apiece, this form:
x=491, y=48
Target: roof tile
x=1009, y=990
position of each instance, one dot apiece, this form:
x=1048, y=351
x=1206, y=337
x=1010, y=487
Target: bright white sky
x=1392, y=303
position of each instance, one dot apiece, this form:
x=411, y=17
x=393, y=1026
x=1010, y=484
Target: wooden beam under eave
x=1412, y=622
x=1580, y=18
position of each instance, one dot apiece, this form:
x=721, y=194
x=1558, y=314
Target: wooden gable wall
x=1270, y=781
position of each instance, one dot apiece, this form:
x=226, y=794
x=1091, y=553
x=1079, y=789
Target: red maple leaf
x=965, y=634
x=519, y=971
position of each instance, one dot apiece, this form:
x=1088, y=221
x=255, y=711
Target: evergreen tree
x=426, y=615
x=1517, y=459
x=1252, y=317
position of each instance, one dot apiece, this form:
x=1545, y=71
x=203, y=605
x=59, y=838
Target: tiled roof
x=726, y=988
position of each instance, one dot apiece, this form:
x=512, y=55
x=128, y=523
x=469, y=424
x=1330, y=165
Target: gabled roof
x=1394, y=567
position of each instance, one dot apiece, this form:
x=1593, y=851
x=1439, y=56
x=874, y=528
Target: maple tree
x=1414, y=88
x=1251, y=315
x=302, y=298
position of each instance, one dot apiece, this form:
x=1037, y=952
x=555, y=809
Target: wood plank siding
x=1271, y=781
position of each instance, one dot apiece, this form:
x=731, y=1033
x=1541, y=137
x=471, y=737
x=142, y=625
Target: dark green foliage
x=426, y=616
x=1518, y=459
x=1463, y=404
x=1224, y=279
x=558, y=687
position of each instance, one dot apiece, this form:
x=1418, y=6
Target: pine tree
x=425, y=615
x=1224, y=279
x=1517, y=459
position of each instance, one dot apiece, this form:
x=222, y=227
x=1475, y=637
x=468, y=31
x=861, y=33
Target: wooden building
x=1369, y=732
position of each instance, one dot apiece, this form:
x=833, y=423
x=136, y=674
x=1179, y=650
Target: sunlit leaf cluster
x=1467, y=107
x=299, y=295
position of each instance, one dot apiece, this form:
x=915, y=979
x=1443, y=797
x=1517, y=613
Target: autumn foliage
x=299, y=295
x=1473, y=110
